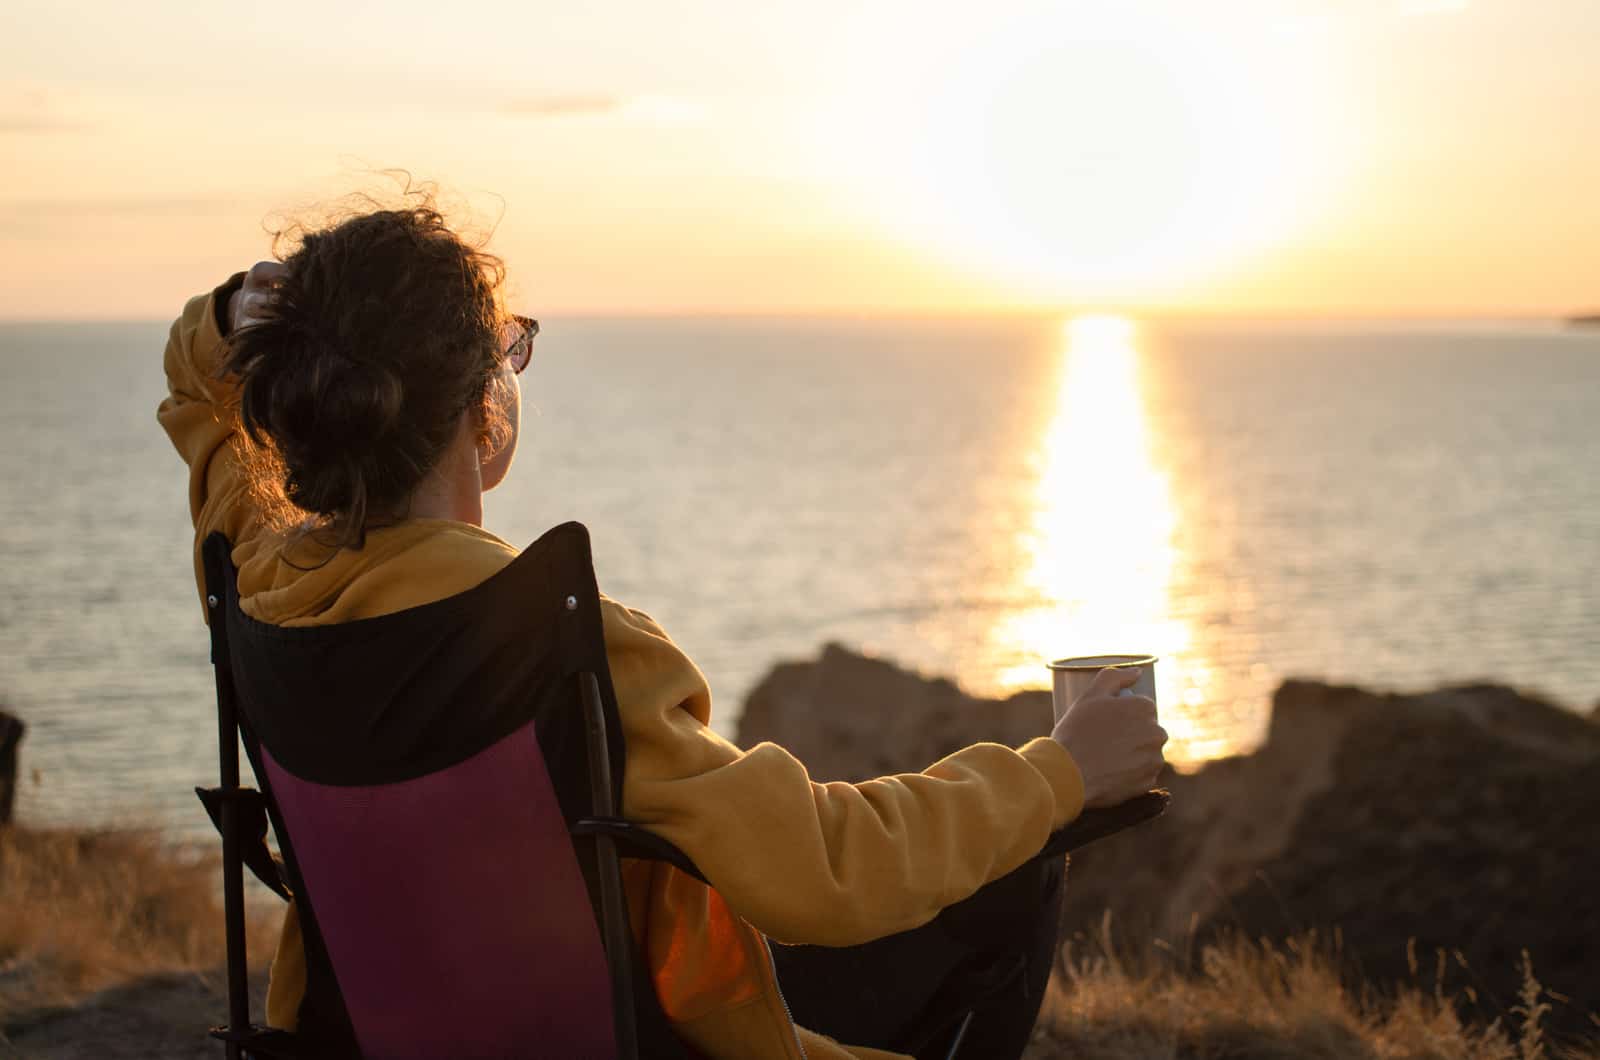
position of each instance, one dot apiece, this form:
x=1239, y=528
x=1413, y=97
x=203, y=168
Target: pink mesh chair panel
x=453, y=910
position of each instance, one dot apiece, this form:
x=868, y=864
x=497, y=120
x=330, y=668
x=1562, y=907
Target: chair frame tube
x=232, y=862
x=614, y=913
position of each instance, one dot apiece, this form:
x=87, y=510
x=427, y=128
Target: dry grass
x=81, y=911
x=1249, y=1000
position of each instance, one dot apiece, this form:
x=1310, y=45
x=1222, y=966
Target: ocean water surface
x=1391, y=504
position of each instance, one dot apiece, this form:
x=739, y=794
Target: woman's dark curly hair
x=385, y=330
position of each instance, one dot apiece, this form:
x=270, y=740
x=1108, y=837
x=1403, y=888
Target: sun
x=1094, y=151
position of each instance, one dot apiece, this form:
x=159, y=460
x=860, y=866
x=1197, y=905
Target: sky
x=1260, y=157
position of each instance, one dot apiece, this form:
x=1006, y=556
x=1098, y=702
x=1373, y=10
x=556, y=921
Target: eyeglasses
x=518, y=341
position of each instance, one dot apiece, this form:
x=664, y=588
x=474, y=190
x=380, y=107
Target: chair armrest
x=634, y=841
x=1099, y=823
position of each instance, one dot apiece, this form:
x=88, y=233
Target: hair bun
x=357, y=402
x=331, y=415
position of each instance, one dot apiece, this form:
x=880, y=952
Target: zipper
x=772, y=966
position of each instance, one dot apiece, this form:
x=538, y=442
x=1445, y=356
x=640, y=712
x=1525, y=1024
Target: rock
x=1456, y=829
x=11, y=732
x=1462, y=818
x=850, y=717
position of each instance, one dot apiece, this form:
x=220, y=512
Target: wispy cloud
x=119, y=205
x=647, y=109
x=27, y=110
x=664, y=110
x=566, y=106
x=45, y=218
x=1430, y=7
x=14, y=124
x=34, y=109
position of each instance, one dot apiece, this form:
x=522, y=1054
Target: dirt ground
x=164, y=1016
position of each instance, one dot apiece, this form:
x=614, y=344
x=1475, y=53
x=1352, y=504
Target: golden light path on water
x=1099, y=559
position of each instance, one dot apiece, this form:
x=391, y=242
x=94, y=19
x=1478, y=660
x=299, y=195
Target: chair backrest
x=490, y=939
x=425, y=773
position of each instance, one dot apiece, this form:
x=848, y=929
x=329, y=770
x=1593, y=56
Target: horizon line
x=1150, y=315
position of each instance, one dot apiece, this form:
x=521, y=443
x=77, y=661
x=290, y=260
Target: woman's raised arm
x=197, y=413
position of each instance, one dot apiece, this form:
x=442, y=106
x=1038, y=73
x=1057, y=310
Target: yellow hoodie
x=831, y=864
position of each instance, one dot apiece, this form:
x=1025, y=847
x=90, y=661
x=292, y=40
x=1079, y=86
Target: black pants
x=989, y=955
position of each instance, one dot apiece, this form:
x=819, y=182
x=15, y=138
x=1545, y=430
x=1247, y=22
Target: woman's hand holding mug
x=1115, y=739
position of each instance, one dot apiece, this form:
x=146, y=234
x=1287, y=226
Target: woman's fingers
x=249, y=308
x=1156, y=740
x=266, y=274
x=250, y=303
x=1111, y=680
x=1142, y=707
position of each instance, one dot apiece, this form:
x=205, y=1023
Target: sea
x=1398, y=504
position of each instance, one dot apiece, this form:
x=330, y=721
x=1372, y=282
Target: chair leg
x=614, y=910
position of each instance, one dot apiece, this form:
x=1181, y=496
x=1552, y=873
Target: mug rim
x=1078, y=663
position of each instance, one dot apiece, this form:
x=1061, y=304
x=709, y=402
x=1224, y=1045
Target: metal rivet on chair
x=572, y=603
x=211, y=600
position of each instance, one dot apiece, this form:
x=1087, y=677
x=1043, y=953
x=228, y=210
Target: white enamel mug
x=1072, y=676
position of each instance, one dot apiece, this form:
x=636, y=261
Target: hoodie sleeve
x=831, y=864
x=197, y=417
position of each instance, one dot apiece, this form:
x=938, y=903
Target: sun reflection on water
x=1098, y=560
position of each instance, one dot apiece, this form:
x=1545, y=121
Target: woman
x=342, y=414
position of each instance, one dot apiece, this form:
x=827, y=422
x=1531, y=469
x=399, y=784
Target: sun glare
x=1084, y=152
x=1098, y=559
x=1100, y=331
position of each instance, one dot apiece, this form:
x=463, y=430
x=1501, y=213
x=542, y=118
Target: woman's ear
x=500, y=424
